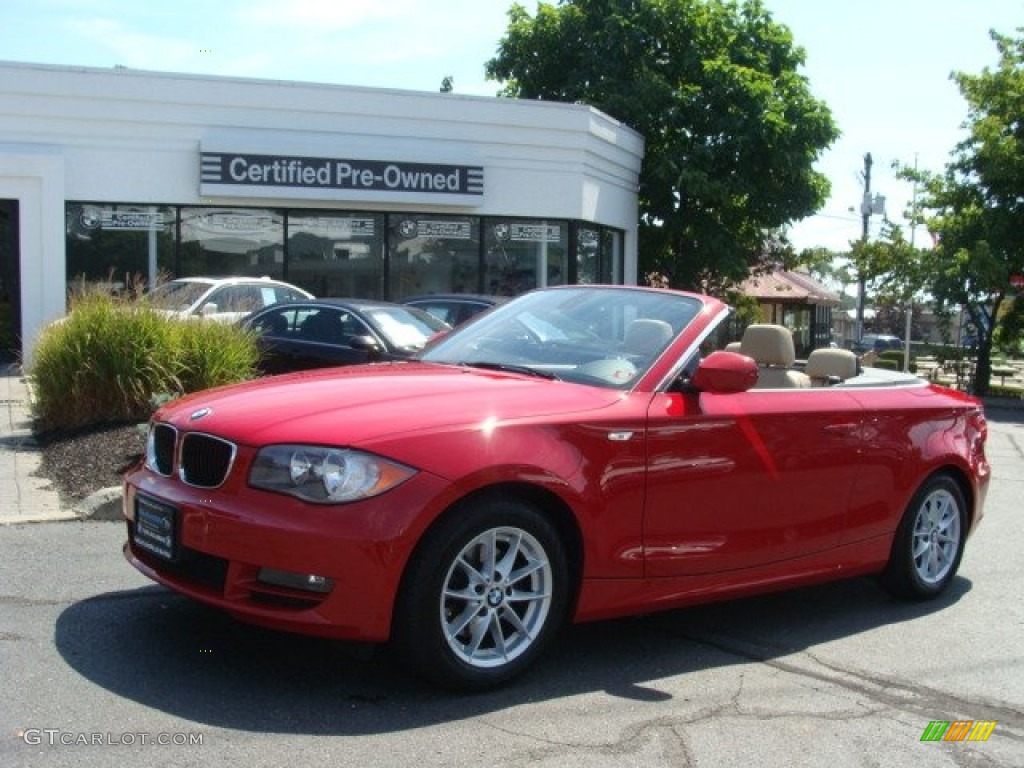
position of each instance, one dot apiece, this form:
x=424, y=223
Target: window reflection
x=524, y=254
x=232, y=241
x=433, y=254
x=118, y=246
x=611, y=256
x=337, y=254
x=588, y=255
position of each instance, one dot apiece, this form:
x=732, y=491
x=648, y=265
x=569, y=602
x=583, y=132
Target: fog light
x=307, y=582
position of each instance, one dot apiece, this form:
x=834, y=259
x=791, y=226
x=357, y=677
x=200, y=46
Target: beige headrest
x=768, y=344
x=826, y=363
x=645, y=336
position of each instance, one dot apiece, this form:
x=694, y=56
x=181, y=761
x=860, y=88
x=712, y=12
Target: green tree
x=731, y=128
x=898, y=276
x=893, y=270
x=832, y=269
x=975, y=208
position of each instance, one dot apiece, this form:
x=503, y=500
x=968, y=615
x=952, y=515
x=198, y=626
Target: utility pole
x=865, y=211
x=910, y=301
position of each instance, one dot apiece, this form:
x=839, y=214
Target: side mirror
x=209, y=308
x=367, y=344
x=724, y=373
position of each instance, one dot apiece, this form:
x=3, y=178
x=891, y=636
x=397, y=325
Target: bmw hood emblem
x=202, y=413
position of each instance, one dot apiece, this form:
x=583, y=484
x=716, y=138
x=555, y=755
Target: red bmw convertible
x=579, y=453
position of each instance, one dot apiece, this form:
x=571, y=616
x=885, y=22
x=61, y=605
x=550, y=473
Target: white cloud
x=319, y=16
x=394, y=44
x=409, y=44
x=134, y=49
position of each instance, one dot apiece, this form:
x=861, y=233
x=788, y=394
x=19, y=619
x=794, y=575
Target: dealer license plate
x=156, y=527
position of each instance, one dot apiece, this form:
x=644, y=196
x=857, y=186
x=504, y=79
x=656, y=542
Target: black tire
x=929, y=542
x=469, y=621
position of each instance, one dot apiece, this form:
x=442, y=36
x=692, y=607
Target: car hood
x=360, y=403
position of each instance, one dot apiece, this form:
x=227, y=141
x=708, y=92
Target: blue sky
x=882, y=66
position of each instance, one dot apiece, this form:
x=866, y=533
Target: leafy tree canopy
x=731, y=128
x=892, y=268
x=975, y=208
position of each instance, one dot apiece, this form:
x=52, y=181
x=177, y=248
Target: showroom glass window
x=120, y=245
x=522, y=254
x=588, y=255
x=431, y=253
x=599, y=256
x=332, y=253
x=611, y=267
x=232, y=241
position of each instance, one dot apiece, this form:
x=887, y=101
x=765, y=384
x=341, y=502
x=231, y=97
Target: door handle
x=843, y=428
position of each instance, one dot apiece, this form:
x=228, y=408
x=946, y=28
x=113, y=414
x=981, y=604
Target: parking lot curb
x=104, y=504
x=1003, y=403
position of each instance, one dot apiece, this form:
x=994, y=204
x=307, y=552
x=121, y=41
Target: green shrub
x=895, y=356
x=1006, y=390
x=889, y=365
x=210, y=354
x=106, y=360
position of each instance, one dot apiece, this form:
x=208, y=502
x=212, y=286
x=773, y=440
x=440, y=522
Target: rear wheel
x=929, y=542
x=484, y=594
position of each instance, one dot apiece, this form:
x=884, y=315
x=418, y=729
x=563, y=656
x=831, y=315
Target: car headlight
x=325, y=475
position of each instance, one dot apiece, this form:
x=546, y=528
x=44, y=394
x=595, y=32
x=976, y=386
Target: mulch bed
x=82, y=462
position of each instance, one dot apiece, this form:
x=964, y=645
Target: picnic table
x=1002, y=371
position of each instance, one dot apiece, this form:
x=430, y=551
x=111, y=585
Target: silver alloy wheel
x=496, y=597
x=936, y=536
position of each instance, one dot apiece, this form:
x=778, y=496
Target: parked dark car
x=320, y=333
x=877, y=342
x=454, y=308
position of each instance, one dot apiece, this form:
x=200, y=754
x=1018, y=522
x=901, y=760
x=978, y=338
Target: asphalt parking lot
x=100, y=667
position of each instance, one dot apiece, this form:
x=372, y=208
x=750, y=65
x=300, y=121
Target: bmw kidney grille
x=205, y=460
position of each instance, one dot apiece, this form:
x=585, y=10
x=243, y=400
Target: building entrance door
x=10, y=283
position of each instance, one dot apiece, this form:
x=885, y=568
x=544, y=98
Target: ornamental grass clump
x=105, y=361
x=209, y=354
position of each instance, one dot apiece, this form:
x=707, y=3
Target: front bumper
x=275, y=561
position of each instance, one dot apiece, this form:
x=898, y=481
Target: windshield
x=604, y=336
x=406, y=328
x=176, y=295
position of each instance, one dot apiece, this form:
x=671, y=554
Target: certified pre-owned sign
x=225, y=169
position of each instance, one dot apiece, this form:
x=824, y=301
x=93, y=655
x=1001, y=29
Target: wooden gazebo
x=797, y=301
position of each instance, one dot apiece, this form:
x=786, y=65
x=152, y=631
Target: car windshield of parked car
x=177, y=295
x=406, y=327
x=604, y=337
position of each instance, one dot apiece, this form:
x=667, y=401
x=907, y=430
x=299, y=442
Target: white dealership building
x=122, y=175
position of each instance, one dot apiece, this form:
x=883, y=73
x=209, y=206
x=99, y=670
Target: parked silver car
x=226, y=299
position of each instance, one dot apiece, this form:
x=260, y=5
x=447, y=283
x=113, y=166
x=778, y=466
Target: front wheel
x=929, y=542
x=483, y=595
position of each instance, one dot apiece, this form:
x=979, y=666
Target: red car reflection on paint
x=578, y=453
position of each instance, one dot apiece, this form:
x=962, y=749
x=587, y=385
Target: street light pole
x=910, y=302
x=865, y=211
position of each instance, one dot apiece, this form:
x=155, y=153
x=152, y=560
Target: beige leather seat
x=646, y=337
x=772, y=348
x=734, y=346
x=830, y=366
